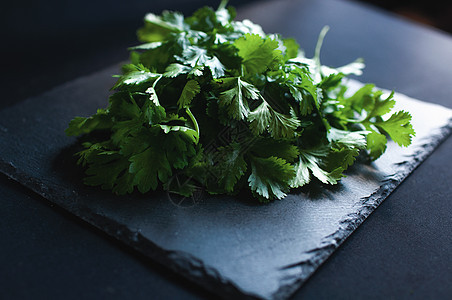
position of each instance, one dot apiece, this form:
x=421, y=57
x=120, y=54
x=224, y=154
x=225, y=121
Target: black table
x=401, y=251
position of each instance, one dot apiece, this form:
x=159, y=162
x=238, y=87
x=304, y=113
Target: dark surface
x=401, y=251
x=229, y=245
x=436, y=13
x=46, y=44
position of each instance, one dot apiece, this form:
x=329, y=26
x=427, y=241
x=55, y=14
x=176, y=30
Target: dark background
x=436, y=13
x=43, y=38
x=47, y=251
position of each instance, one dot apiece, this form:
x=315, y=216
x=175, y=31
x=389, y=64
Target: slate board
x=230, y=246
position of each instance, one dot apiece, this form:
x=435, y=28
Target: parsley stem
x=195, y=123
x=157, y=80
x=223, y=5
x=318, y=47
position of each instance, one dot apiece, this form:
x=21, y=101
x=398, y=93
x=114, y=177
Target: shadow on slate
x=230, y=246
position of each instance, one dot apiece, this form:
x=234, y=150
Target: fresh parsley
x=207, y=101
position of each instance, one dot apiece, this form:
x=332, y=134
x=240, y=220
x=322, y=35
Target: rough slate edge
x=207, y=276
x=177, y=261
x=368, y=204
x=330, y=243
x=352, y=221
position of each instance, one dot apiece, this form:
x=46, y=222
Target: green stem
x=222, y=5
x=318, y=47
x=155, y=82
x=195, y=123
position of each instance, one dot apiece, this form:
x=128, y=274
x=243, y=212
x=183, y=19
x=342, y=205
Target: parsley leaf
x=269, y=177
x=234, y=100
x=398, y=127
x=210, y=102
x=256, y=52
x=191, y=89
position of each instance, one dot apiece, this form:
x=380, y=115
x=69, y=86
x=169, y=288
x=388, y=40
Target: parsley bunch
x=215, y=103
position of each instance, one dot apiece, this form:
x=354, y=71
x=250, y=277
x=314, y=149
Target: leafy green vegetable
x=210, y=102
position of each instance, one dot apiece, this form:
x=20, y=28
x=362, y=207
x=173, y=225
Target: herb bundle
x=210, y=102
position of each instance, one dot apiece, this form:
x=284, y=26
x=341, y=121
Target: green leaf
x=191, y=89
x=81, y=125
x=204, y=19
x=398, y=127
x=160, y=28
x=303, y=81
x=175, y=69
x=123, y=106
x=224, y=15
x=147, y=46
x=277, y=124
x=283, y=126
x=269, y=177
x=354, y=68
x=303, y=90
x=292, y=48
x=216, y=67
x=302, y=176
x=266, y=147
x=179, y=146
x=312, y=160
x=331, y=81
x=149, y=167
x=348, y=139
x=105, y=169
x=230, y=166
x=376, y=144
x=248, y=90
x=123, y=129
x=234, y=99
x=157, y=59
x=153, y=112
x=153, y=96
x=260, y=119
x=191, y=133
x=267, y=117
x=382, y=107
x=361, y=99
x=194, y=56
x=256, y=52
x=135, y=78
x=342, y=158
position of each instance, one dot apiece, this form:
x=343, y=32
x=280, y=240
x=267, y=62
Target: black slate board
x=230, y=246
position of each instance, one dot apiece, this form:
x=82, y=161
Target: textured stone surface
x=231, y=246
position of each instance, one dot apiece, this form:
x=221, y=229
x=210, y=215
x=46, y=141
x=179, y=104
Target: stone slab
x=231, y=246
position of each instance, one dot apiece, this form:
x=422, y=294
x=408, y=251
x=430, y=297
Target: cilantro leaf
x=376, y=144
x=175, y=69
x=292, y=48
x=269, y=177
x=283, y=126
x=215, y=66
x=159, y=28
x=260, y=118
x=230, y=165
x=135, y=78
x=234, y=99
x=194, y=56
x=257, y=53
x=191, y=89
x=80, y=125
x=108, y=169
x=398, y=127
x=310, y=163
x=268, y=118
x=148, y=167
